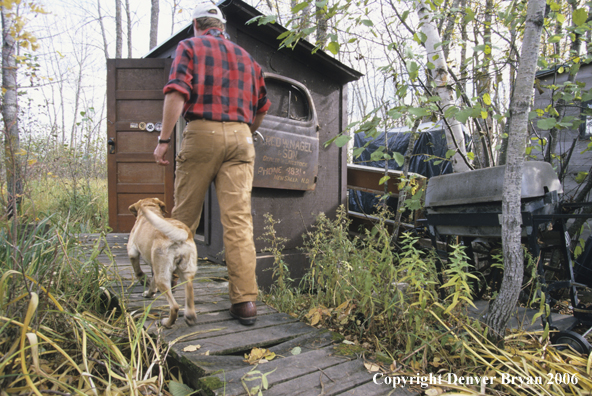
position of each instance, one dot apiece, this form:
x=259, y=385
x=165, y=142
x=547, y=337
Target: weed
x=458, y=276
x=280, y=273
x=282, y=292
x=55, y=334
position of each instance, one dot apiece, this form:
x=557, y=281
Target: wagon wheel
x=565, y=339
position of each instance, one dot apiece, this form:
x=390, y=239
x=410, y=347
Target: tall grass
x=85, y=205
x=66, y=182
x=58, y=332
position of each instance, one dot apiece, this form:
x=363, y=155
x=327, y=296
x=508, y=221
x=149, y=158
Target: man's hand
x=160, y=152
x=173, y=106
x=257, y=122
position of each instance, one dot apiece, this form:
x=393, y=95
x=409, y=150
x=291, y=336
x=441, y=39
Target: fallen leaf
x=342, y=306
x=207, y=353
x=435, y=391
x=296, y=351
x=259, y=355
x=348, y=342
x=191, y=348
x=177, y=388
x=371, y=367
x=316, y=317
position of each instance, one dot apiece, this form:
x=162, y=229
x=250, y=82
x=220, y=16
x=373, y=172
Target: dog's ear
x=134, y=209
x=161, y=205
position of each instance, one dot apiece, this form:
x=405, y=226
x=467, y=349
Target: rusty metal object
x=287, y=155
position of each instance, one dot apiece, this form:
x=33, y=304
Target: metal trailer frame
x=535, y=218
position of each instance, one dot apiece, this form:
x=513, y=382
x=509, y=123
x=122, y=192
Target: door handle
x=111, y=144
x=255, y=138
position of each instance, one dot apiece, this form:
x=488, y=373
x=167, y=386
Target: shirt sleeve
x=181, y=73
x=263, y=102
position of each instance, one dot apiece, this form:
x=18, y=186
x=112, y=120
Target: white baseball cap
x=207, y=9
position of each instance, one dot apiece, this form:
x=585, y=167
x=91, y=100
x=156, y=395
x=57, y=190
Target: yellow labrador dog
x=167, y=246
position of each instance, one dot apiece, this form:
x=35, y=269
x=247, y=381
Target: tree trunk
x=73, y=142
x=505, y=303
x=435, y=55
x=482, y=137
x=447, y=35
x=154, y=24
x=303, y=21
x=103, y=34
x=403, y=193
x=174, y=13
x=10, y=114
x=463, y=50
x=560, y=107
x=118, y=30
x=128, y=16
x=514, y=56
x=322, y=25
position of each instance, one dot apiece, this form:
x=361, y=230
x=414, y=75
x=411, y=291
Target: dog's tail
x=175, y=234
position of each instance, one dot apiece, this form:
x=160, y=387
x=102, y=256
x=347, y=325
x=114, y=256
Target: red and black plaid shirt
x=219, y=80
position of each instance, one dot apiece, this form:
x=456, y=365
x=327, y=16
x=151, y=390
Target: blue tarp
x=430, y=143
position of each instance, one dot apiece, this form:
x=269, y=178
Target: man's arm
x=257, y=121
x=173, y=106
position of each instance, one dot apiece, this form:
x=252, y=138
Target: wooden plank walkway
x=211, y=353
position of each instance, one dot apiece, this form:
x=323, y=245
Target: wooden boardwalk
x=211, y=353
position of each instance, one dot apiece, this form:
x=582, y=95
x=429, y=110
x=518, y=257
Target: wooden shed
x=296, y=176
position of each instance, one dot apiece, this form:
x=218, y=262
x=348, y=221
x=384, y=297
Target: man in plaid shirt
x=220, y=91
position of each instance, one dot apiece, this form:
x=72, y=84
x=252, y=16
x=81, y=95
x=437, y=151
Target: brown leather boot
x=245, y=312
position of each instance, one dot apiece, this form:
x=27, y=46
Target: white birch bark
x=128, y=16
x=505, y=303
x=10, y=113
x=154, y=24
x=435, y=55
x=118, y=30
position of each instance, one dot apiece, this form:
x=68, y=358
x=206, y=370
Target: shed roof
x=237, y=13
x=544, y=73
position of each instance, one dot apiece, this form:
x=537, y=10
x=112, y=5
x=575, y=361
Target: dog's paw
x=165, y=323
x=191, y=320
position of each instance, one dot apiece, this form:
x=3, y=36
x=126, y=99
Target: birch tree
x=10, y=109
x=128, y=17
x=505, y=303
x=443, y=87
x=118, y=30
x=154, y=11
x=103, y=33
x=14, y=37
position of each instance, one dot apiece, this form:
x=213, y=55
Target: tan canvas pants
x=221, y=152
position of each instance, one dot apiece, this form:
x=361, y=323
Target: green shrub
x=387, y=298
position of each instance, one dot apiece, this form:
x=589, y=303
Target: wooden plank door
x=134, y=116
